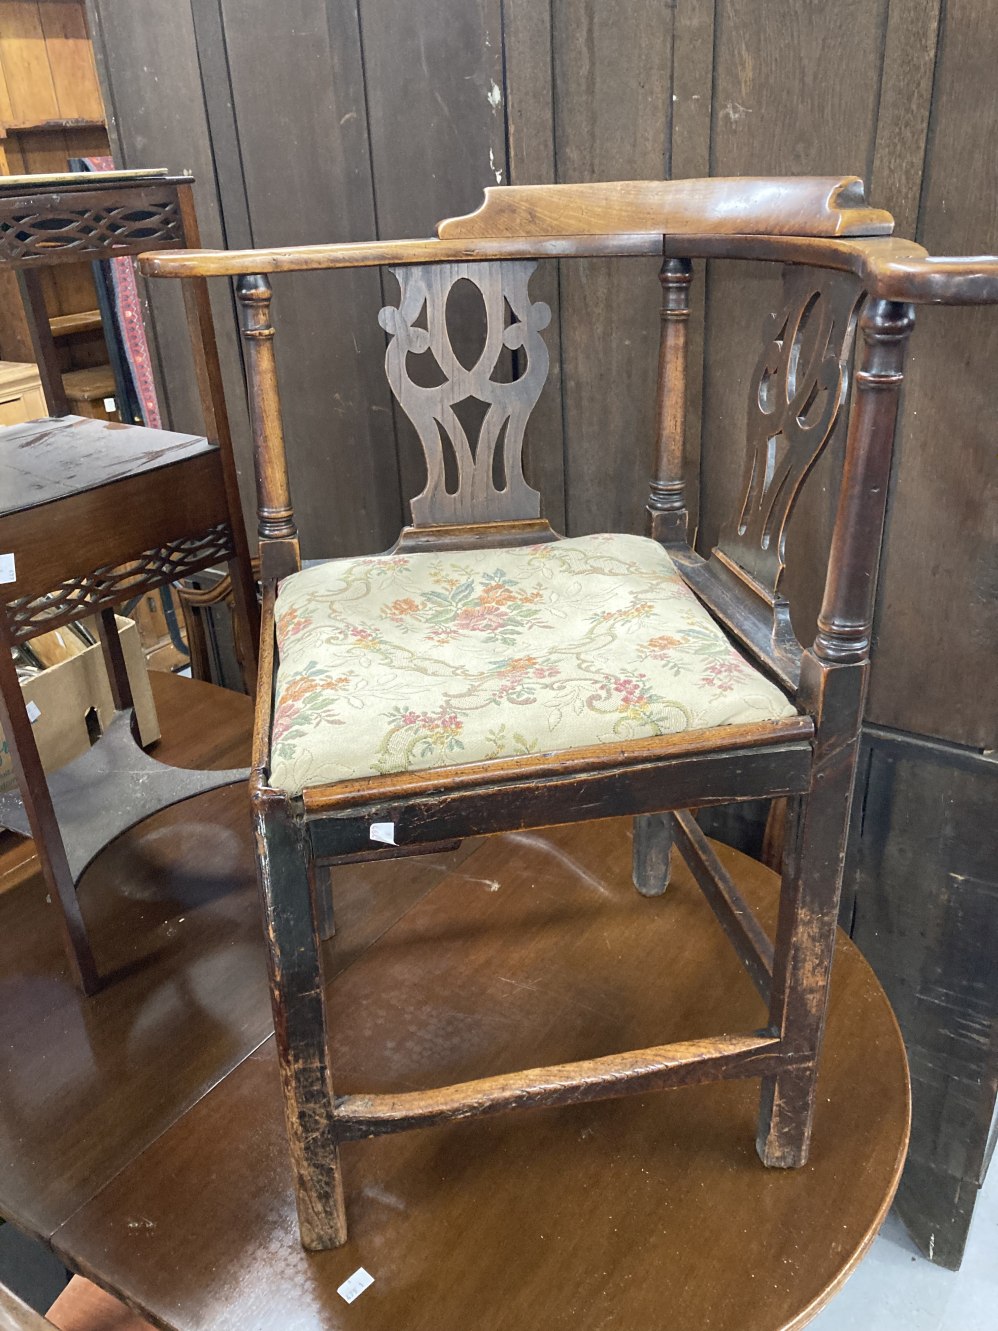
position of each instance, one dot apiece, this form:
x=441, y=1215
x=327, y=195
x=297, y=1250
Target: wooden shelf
x=53, y=126
x=92, y=385
x=83, y=321
x=113, y=786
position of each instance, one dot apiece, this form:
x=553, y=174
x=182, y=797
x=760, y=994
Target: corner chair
x=486, y=674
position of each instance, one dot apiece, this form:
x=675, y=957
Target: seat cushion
x=403, y=662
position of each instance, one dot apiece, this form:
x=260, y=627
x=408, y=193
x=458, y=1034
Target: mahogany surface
x=149, y=1145
x=47, y=460
x=87, y=1083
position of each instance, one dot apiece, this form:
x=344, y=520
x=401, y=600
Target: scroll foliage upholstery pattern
x=489, y=487
x=413, y=661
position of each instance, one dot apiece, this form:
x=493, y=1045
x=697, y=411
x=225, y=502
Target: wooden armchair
x=486, y=675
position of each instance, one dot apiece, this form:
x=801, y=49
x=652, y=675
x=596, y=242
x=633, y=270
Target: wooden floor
x=141, y=1131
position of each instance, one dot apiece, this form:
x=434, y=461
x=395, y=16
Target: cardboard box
x=64, y=695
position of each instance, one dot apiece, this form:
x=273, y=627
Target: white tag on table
x=383, y=832
x=8, y=569
x=32, y=711
x=109, y=404
x=355, y=1285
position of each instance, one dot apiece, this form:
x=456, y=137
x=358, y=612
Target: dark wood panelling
x=692, y=87
x=924, y=889
x=613, y=100
x=435, y=103
x=147, y=58
x=298, y=96
x=529, y=92
x=903, y=113
x=941, y=550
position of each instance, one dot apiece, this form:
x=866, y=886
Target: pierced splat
x=799, y=386
x=470, y=420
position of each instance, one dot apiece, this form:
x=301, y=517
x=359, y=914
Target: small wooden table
x=143, y=1128
x=95, y=512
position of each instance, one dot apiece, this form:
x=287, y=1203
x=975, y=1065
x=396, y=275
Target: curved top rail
x=889, y=267
x=735, y=205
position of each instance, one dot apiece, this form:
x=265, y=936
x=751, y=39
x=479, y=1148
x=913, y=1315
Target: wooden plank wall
x=50, y=111
x=337, y=120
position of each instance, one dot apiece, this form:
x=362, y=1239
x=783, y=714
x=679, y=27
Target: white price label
x=355, y=1285
x=383, y=832
x=8, y=569
x=32, y=710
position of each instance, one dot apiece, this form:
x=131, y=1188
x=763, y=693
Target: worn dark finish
x=926, y=809
x=93, y=513
x=652, y=856
x=524, y=953
x=490, y=485
x=796, y=396
x=733, y=913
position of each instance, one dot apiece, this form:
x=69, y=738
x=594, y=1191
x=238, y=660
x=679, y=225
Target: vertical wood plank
x=940, y=561
x=692, y=86
x=922, y=871
x=6, y=109
x=610, y=126
x=300, y=64
x=903, y=115
x=529, y=89
x=436, y=120
x=26, y=64
x=213, y=59
x=71, y=61
x=437, y=129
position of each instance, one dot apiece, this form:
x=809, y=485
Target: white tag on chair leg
x=384, y=832
x=8, y=568
x=355, y=1285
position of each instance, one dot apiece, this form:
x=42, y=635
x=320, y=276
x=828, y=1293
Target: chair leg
x=283, y=859
x=322, y=895
x=652, y=851
x=805, y=944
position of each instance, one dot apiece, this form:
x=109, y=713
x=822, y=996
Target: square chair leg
x=652, y=851
x=284, y=866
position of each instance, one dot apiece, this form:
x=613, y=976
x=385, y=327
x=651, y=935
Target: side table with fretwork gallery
x=94, y=513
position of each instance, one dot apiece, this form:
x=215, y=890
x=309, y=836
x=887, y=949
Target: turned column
x=666, y=509
x=279, y=554
x=845, y=624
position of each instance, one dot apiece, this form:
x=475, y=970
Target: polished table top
x=141, y=1131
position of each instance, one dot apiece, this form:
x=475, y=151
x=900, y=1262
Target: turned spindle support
x=666, y=516
x=279, y=553
x=845, y=624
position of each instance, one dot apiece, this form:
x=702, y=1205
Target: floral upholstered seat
x=403, y=662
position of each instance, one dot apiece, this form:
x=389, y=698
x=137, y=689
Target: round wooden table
x=629, y=1215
